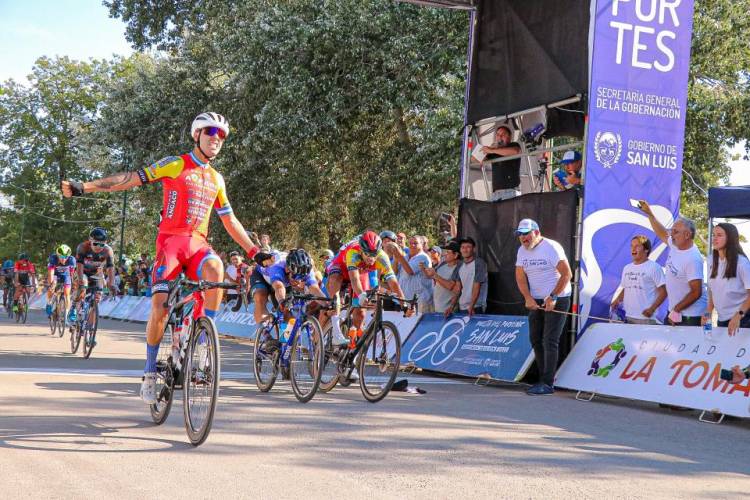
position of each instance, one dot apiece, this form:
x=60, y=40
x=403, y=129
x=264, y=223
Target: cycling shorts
x=93, y=282
x=176, y=253
x=65, y=279
x=335, y=268
x=24, y=280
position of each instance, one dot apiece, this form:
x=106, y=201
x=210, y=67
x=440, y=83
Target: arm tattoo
x=114, y=181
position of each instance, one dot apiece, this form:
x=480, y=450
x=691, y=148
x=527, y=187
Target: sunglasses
x=212, y=131
x=97, y=244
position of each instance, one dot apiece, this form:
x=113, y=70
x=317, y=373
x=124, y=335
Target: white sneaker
x=148, y=388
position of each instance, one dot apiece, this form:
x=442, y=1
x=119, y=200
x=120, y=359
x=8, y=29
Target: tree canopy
x=345, y=114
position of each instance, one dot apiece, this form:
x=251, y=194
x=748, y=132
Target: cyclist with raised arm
x=191, y=187
x=24, y=277
x=355, y=260
x=93, y=258
x=60, y=268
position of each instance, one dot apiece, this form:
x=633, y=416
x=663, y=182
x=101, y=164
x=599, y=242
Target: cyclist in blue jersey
x=60, y=269
x=278, y=273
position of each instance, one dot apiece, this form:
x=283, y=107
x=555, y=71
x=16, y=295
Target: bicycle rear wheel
x=164, y=379
x=306, y=365
x=379, y=362
x=202, y=377
x=265, y=356
x=89, y=329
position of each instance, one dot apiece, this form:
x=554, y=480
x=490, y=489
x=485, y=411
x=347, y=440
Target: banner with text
x=481, y=345
x=634, y=147
x=672, y=365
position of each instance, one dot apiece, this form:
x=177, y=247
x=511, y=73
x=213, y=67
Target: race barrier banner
x=481, y=345
x=634, y=147
x=672, y=365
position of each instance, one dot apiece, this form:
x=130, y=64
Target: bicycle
x=194, y=336
x=376, y=354
x=57, y=318
x=86, y=324
x=22, y=309
x=301, y=354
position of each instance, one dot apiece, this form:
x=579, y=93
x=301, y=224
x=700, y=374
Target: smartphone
x=726, y=374
x=635, y=203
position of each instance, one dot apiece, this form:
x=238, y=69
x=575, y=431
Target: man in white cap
x=568, y=176
x=543, y=277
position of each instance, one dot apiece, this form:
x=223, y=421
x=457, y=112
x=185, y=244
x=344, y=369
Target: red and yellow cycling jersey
x=24, y=267
x=190, y=189
x=350, y=258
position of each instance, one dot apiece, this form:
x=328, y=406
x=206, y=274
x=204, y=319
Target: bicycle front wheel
x=60, y=319
x=89, y=329
x=53, y=317
x=201, y=380
x=306, y=360
x=379, y=362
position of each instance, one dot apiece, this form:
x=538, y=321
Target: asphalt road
x=75, y=428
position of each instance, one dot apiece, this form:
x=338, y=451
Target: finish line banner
x=481, y=345
x=672, y=365
x=634, y=147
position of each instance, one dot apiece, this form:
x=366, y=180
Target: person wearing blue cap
x=568, y=176
x=543, y=276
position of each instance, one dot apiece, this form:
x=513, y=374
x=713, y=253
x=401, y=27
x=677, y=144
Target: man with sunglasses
x=351, y=267
x=191, y=187
x=93, y=258
x=24, y=277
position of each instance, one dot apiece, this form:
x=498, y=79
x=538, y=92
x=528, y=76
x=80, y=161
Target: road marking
x=138, y=374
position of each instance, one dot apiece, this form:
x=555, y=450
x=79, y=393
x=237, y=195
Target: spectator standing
x=435, y=254
x=543, y=278
x=473, y=276
x=232, y=275
x=447, y=283
x=684, y=270
x=265, y=243
x=412, y=277
x=728, y=280
x=506, y=175
x=642, y=282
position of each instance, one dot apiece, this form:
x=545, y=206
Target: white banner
x=672, y=365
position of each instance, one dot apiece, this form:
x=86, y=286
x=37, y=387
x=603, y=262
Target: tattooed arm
x=116, y=182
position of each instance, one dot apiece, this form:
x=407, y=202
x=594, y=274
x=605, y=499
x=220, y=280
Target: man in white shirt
x=684, y=270
x=642, y=282
x=412, y=277
x=447, y=281
x=543, y=278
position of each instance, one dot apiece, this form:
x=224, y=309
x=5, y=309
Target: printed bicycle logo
x=441, y=344
x=607, y=148
x=617, y=348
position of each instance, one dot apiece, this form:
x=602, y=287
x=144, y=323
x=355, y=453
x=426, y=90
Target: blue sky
x=79, y=29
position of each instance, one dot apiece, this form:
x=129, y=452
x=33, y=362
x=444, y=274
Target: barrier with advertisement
x=238, y=324
x=634, y=150
x=481, y=345
x=672, y=365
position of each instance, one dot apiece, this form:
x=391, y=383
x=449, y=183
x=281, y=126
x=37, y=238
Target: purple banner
x=637, y=104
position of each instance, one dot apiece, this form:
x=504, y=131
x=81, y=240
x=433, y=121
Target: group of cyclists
x=191, y=187
x=91, y=268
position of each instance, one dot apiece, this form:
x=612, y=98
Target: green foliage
x=345, y=114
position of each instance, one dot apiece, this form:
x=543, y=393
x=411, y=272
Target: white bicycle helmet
x=209, y=119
